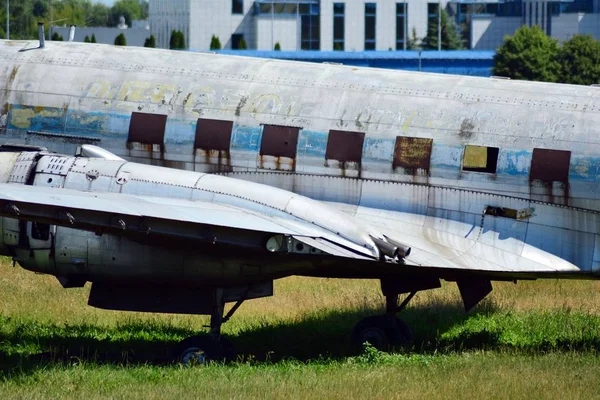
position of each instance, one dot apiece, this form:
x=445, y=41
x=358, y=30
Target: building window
x=338, y=26
x=370, y=23
x=401, y=25
x=236, y=38
x=237, y=6
x=432, y=15
x=480, y=159
x=310, y=30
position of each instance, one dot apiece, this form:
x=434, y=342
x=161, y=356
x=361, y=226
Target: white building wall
x=201, y=19
x=487, y=32
x=282, y=29
x=133, y=36
x=214, y=17
x=166, y=16
x=385, y=32
x=354, y=26
x=565, y=26
x=385, y=35
x=326, y=23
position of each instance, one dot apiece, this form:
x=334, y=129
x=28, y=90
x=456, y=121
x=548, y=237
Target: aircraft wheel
x=201, y=350
x=383, y=332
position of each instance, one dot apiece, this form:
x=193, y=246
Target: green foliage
x=413, y=43
x=579, y=59
x=370, y=354
x=94, y=38
x=120, y=40
x=129, y=9
x=40, y=8
x=87, y=39
x=243, y=44
x=277, y=47
x=177, y=41
x=150, y=42
x=528, y=55
x=215, y=43
x=450, y=38
x=98, y=15
x=56, y=37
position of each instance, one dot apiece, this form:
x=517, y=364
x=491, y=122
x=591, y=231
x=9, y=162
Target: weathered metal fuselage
x=396, y=149
x=222, y=256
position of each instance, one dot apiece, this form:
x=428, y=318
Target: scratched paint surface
x=452, y=111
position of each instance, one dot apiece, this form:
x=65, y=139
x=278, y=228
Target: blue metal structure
x=472, y=63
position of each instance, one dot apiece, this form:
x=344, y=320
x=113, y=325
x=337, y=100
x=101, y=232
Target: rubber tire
x=382, y=332
x=209, y=348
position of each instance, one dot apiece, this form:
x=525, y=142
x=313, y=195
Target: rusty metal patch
x=550, y=165
x=345, y=146
x=212, y=134
x=410, y=152
x=279, y=141
x=147, y=128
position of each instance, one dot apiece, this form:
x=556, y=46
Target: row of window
x=370, y=24
x=346, y=146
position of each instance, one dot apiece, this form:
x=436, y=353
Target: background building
x=135, y=36
x=358, y=25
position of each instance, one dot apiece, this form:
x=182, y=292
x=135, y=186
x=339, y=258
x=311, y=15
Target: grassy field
x=531, y=339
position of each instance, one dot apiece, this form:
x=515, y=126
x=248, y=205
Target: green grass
x=535, y=339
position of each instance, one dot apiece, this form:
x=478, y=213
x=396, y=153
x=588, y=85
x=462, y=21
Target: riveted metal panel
x=279, y=141
x=213, y=134
x=412, y=152
x=345, y=146
x=550, y=165
x=147, y=128
x=55, y=165
x=23, y=167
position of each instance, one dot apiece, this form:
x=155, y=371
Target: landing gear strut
x=201, y=350
x=385, y=332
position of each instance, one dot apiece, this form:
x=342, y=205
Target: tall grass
x=541, y=337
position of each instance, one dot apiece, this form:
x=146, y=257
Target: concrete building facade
x=133, y=36
x=359, y=25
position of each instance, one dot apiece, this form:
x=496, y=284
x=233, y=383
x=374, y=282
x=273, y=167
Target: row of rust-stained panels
x=346, y=146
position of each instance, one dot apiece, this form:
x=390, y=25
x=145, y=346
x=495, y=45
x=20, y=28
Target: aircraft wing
x=134, y=215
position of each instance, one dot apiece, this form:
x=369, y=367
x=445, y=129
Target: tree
x=528, y=55
x=94, y=38
x=579, y=59
x=129, y=9
x=243, y=45
x=177, y=41
x=277, y=47
x=40, y=8
x=120, y=40
x=450, y=38
x=87, y=39
x=413, y=43
x=56, y=37
x=150, y=42
x=215, y=43
x=98, y=15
